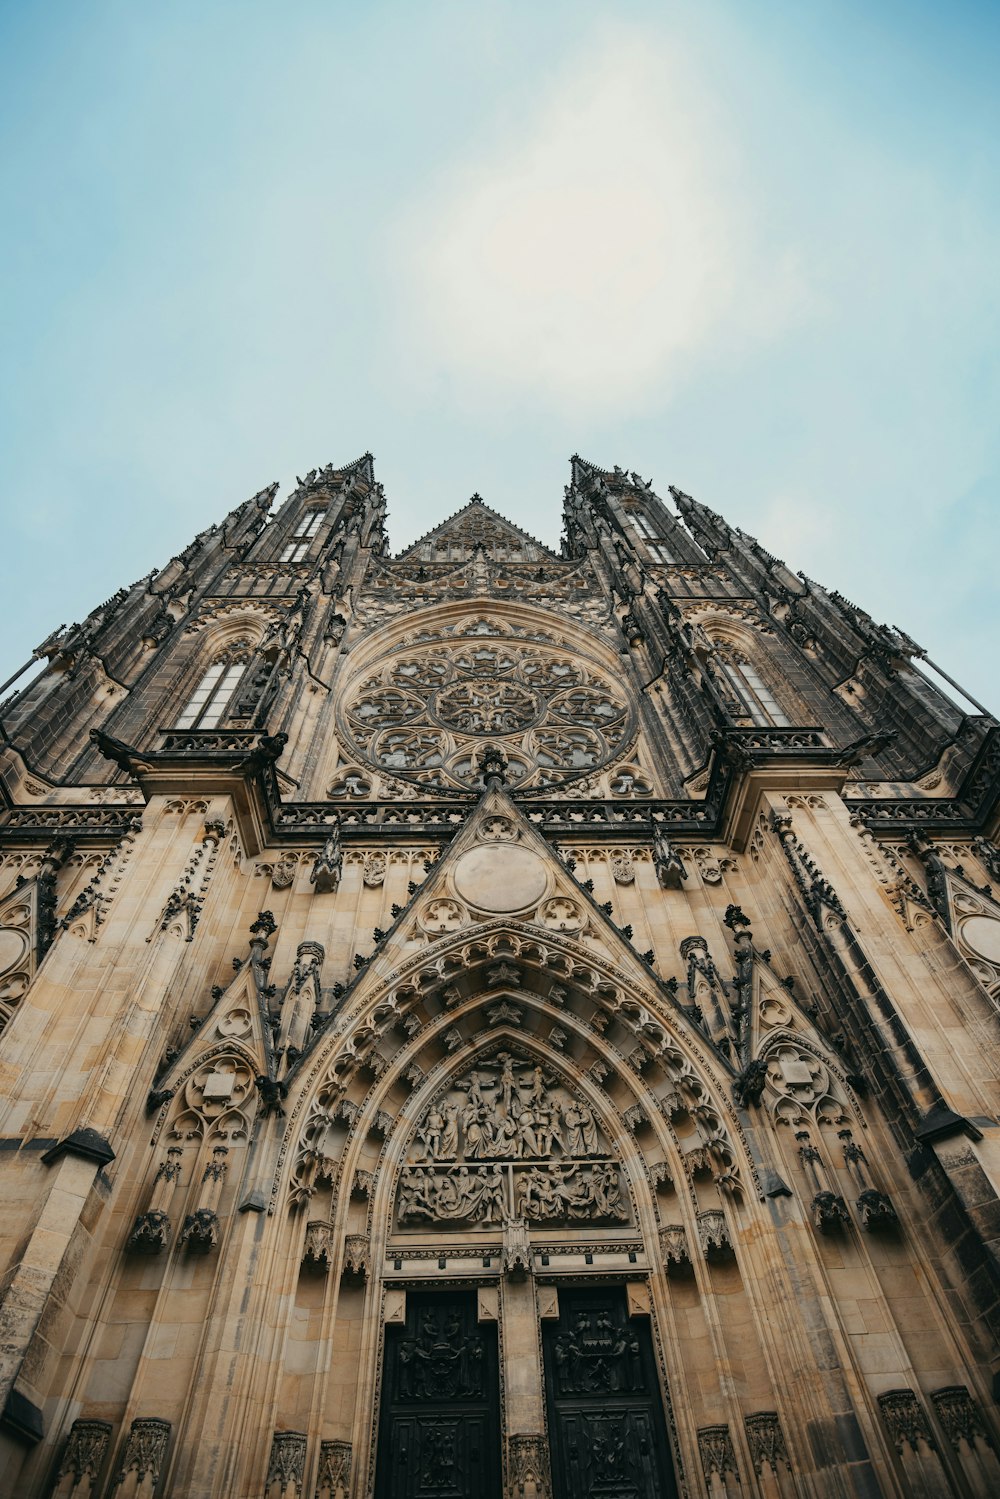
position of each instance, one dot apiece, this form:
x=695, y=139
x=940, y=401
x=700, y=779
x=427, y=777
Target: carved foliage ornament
x=334, y=1478
x=905, y=1420
x=145, y=1450
x=86, y=1449
x=288, y=1460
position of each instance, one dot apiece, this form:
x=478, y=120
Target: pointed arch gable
x=372, y=1073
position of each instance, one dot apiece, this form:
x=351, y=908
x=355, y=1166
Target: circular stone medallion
x=13, y=946
x=500, y=877
x=982, y=933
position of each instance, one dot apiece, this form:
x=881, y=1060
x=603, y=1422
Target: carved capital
x=86, y=1449
x=529, y=1467
x=766, y=1441
x=200, y=1232
x=144, y=1452
x=960, y=1416
x=317, y=1250
x=333, y=1480
x=876, y=1211
x=715, y=1447
x=906, y=1420
x=674, y=1247
x=287, y=1462
x=150, y=1233
x=357, y=1255
x=713, y=1233
x=829, y=1211
x=516, y=1248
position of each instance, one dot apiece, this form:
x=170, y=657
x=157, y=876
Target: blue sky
x=750, y=249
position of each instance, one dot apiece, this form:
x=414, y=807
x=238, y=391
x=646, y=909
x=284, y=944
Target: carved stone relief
x=333, y=1480
x=507, y=1139
x=86, y=1450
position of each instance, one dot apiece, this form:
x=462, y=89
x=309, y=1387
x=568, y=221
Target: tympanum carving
x=508, y=1139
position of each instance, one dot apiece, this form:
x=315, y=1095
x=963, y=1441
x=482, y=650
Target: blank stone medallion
x=982, y=933
x=500, y=877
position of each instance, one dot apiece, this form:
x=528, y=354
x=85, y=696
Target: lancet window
x=756, y=698
x=296, y=549
x=207, y=705
x=655, y=545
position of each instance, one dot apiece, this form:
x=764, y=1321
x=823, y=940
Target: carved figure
x=581, y=1131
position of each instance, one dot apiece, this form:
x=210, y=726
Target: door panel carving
x=440, y=1427
x=606, y=1424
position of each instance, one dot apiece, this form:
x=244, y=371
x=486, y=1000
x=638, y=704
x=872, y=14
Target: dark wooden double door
x=439, y=1435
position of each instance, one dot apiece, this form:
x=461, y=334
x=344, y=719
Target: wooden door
x=607, y=1433
x=439, y=1435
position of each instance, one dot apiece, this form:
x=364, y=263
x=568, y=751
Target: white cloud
x=606, y=244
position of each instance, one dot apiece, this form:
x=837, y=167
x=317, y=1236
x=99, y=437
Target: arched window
x=655, y=545
x=206, y=707
x=756, y=698
x=309, y=523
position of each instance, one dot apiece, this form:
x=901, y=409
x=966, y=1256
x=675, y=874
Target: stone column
x=524, y=1385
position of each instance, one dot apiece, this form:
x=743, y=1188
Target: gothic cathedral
x=486, y=1023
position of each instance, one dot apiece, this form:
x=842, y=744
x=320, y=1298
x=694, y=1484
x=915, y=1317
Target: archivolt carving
x=453, y=981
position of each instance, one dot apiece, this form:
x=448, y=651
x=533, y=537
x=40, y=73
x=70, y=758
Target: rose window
x=427, y=711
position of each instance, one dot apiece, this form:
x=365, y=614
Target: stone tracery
x=422, y=712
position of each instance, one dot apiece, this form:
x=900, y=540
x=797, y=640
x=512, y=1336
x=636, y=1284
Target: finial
x=493, y=765
x=476, y=499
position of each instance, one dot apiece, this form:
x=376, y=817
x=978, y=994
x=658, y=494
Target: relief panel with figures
x=508, y=1139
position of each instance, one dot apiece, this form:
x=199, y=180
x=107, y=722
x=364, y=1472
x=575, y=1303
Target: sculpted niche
x=508, y=1139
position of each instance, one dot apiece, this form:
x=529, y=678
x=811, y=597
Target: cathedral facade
x=490, y=1022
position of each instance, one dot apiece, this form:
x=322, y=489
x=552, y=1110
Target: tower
x=489, y=1021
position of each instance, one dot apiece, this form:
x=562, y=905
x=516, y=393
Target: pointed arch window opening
x=309, y=524
x=655, y=545
x=759, y=702
x=206, y=707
